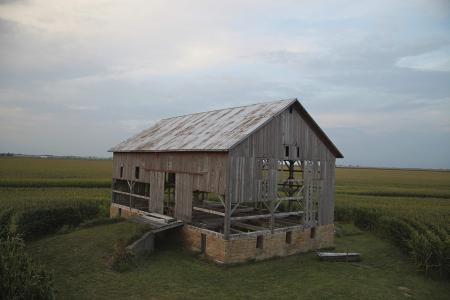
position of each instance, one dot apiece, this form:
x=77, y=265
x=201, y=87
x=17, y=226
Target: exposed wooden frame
x=248, y=226
x=281, y=214
x=209, y=211
x=133, y=195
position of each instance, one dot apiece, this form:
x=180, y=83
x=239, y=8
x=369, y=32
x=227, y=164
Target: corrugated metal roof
x=216, y=130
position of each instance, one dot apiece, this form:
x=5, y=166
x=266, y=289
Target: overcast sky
x=77, y=77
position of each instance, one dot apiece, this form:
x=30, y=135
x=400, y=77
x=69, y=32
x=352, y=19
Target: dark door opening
x=203, y=243
x=169, y=194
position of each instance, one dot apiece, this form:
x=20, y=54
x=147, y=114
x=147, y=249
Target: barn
x=249, y=182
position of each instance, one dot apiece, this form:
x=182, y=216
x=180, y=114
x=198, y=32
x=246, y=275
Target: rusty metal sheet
x=216, y=130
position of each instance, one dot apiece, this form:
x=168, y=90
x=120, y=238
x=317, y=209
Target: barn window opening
x=298, y=151
x=136, y=172
x=286, y=150
x=121, y=185
x=290, y=110
x=199, y=197
x=142, y=189
x=259, y=242
x=121, y=171
x=289, y=183
x=169, y=193
x=288, y=237
x=313, y=233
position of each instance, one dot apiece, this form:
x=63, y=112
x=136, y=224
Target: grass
x=172, y=273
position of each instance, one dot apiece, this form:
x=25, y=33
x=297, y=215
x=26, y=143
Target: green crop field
x=404, y=214
x=54, y=172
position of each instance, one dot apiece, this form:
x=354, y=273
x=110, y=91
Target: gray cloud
x=80, y=78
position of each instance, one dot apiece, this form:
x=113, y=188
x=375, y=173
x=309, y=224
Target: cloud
x=99, y=71
x=437, y=60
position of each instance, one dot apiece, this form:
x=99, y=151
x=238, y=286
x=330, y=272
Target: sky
x=78, y=77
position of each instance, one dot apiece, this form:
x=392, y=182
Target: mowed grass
x=79, y=263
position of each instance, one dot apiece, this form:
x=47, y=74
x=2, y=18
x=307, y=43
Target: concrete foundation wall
x=242, y=249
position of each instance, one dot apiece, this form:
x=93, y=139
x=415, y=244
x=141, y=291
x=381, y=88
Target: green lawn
x=78, y=260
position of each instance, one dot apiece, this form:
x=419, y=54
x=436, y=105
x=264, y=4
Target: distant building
x=248, y=182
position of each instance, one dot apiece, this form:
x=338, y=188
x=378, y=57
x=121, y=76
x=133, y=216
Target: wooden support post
x=221, y=200
x=265, y=216
x=272, y=216
x=227, y=218
x=291, y=178
x=130, y=185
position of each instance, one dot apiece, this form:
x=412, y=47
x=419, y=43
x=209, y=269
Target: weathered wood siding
x=156, y=202
x=207, y=171
x=183, y=197
x=269, y=142
x=326, y=202
x=286, y=129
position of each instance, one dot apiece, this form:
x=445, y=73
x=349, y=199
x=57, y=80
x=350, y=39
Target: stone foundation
x=241, y=249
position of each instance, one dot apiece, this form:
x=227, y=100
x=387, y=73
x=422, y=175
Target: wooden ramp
x=158, y=222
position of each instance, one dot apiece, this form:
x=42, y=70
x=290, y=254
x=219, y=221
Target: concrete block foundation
x=241, y=249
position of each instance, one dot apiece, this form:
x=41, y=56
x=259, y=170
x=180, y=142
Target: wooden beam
x=272, y=216
x=209, y=211
x=234, y=208
x=174, y=171
x=290, y=198
x=130, y=194
x=249, y=226
x=244, y=209
x=227, y=219
x=212, y=203
x=221, y=200
x=286, y=222
x=252, y=217
x=289, y=228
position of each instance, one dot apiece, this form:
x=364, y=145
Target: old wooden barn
x=248, y=182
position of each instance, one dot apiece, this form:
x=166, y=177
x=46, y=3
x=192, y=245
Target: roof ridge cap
x=226, y=108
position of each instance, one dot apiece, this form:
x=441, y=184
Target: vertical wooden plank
x=183, y=197
x=229, y=196
x=156, y=202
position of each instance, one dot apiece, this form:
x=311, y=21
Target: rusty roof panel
x=216, y=130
